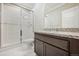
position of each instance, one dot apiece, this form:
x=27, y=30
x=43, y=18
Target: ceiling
x=29, y=6
x=48, y=6
x=51, y=6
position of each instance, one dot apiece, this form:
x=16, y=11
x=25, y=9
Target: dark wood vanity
x=53, y=45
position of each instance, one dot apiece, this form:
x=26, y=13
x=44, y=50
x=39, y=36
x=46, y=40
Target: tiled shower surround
x=64, y=29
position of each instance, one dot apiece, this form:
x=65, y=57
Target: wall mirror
x=60, y=15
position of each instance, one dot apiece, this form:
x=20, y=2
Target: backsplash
x=64, y=29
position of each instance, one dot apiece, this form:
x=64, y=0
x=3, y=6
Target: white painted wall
x=70, y=18
x=39, y=16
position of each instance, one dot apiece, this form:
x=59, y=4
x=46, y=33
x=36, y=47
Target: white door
x=27, y=25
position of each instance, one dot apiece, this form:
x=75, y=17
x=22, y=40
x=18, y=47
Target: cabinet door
x=39, y=47
x=74, y=47
x=53, y=51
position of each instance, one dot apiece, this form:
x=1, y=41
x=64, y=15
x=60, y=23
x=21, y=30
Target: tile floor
x=24, y=49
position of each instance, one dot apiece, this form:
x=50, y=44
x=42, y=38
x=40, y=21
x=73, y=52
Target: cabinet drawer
x=53, y=51
x=57, y=42
x=38, y=36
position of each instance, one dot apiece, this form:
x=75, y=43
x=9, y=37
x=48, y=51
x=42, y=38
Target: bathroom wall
x=38, y=16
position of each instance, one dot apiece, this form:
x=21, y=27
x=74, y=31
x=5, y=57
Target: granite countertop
x=62, y=34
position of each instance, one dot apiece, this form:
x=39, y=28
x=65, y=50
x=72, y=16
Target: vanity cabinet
x=39, y=47
x=52, y=45
x=53, y=51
